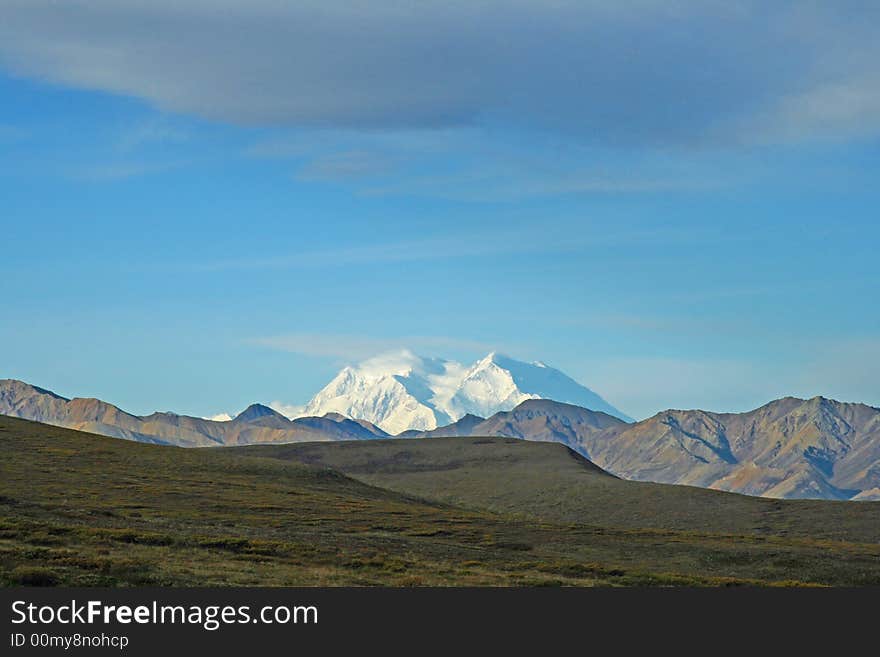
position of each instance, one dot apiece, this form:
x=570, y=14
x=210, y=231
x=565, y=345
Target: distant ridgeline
x=790, y=448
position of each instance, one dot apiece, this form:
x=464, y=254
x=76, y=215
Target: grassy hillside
x=81, y=509
x=551, y=482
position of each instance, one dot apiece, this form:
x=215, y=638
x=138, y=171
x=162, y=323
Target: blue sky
x=675, y=203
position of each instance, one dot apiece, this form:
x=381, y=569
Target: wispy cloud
x=485, y=166
x=490, y=242
x=518, y=185
x=356, y=348
x=348, y=165
x=117, y=171
x=150, y=132
x=135, y=149
x=440, y=248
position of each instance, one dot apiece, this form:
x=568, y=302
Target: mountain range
x=401, y=391
x=789, y=448
x=257, y=424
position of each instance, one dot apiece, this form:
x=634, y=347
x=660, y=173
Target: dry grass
x=78, y=509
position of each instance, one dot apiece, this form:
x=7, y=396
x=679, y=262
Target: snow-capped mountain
x=401, y=391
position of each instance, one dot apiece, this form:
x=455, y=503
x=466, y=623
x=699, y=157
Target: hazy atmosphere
x=203, y=205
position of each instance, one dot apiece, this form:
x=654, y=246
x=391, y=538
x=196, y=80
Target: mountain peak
x=488, y=359
x=16, y=384
x=255, y=412
x=504, y=361
x=400, y=391
x=498, y=359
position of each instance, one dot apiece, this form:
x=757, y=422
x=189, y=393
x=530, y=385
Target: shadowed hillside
x=551, y=482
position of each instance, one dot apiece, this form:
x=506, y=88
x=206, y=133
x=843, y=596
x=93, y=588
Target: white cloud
x=220, y=417
x=290, y=411
x=700, y=71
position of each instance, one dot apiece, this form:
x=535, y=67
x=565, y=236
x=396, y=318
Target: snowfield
x=401, y=390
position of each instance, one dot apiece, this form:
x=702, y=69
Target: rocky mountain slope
x=534, y=419
x=402, y=391
x=790, y=448
x=256, y=424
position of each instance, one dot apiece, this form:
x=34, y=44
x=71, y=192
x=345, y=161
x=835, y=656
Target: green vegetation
x=79, y=509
